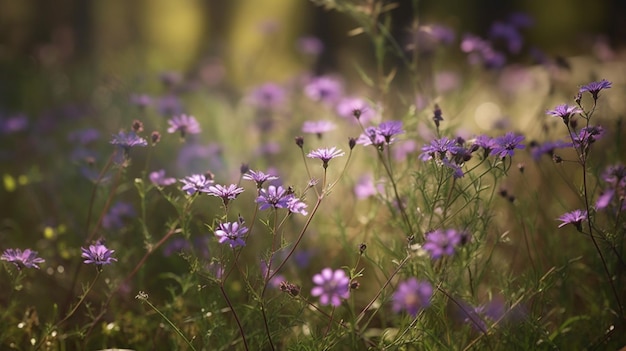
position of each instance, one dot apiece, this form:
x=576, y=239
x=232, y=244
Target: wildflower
x=137, y=126
x=310, y=45
x=594, y=87
x=371, y=136
x=176, y=245
x=449, y=153
x=169, y=105
x=276, y=197
x=13, y=124
x=195, y=183
x=258, y=177
x=317, y=127
x=365, y=187
x=412, y=296
x=158, y=178
x=231, y=232
x=27, y=258
x=84, y=136
x=438, y=149
x=389, y=129
x=548, y=148
x=97, y=254
x=184, y=124
x=443, y=242
x=323, y=89
x=575, y=217
x=267, y=96
x=615, y=176
x=126, y=141
x=506, y=145
x=114, y=219
x=486, y=142
x=155, y=137
x=587, y=136
x=291, y=289
x=331, y=286
x=295, y=205
x=355, y=108
x=226, y=193
x=141, y=100
x=326, y=154
x=565, y=112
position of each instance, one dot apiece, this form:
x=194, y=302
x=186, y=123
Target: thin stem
x=176, y=329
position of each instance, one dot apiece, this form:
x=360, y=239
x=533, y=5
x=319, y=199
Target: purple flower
x=564, y=111
x=324, y=89
x=295, y=205
x=13, y=124
x=575, y=217
x=317, y=127
x=331, y=286
x=158, y=178
x=438, y=149
x=389, y=129
x=141, y=100
x=615, y=176
x=509, y=34
x=587, y=136
x=114, y=219
x=443, y=242
x=506, y=145
x=97, y=254
x=184, y=124
x=310, y=45
x=27, y=258
x=412, y=296
x=169, y=105
x=258, y=177
x=326, y=154
x=276, y=197
x=231, y=233
x=365, y=187
x=128, y=140
x=176, y=245
x=548, y=148
x=84, y=136
x=226, y=193
x=594, y=87
x=485, y=142
x=450, y=153
x=371, y=136
x=267, y=96
x=195, y=183
x=354, y=108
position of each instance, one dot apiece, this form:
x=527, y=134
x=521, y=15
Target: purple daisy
x=227, y=193
x=185, y=124
x=443, y=242
x=548, y=148
x=276, y=197
x=326, y=154
x=158, y=178
x=258, y=177
x=506, y=145
x=594, y=87
x=575, y=217
x=412, y=296
x=371, y=136
x=195, y=183
x=97, y=254
x=331, y=286
x=128, y=140
x=27, y=258
x=564, y=112
x=324, y=89
x=390, y=128
x=353, y=108
x=231, y=233
x=318, y=127
x=295, y=205
x=587, y=136
x=267, y=96
x=310, y=45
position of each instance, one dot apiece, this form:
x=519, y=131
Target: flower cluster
x=381, y=135
x=278, y=197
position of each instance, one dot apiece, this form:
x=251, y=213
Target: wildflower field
x=423, y=187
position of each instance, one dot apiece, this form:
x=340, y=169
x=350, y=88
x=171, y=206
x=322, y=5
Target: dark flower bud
x=438, y=117
x=137, y=126
x=521, y=167
x=578, y=97
x=244, y=168
x=155, y=137
x=290, y=190
x=511, y=199
x=459, y=140
x=351, y=142
x=209, y=175
x=503, y=193
x=354, y=285
x=357, y=113
x=362, y=248
x=299, y=141
x=556, y=158
x=291, y=289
